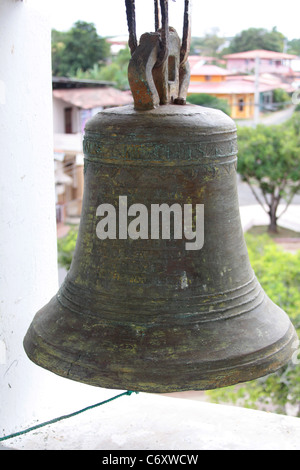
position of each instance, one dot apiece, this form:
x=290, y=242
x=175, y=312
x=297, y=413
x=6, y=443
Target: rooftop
x=88, y=98
x=200, y=69
x=230, y=87
x=266, y=79
x=262, y=54
x=66, y=82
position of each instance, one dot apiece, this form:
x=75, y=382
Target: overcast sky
x=229, y=16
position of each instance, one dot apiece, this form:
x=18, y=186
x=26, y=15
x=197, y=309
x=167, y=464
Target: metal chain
x=164, y=7
x=130, y=10
x=161, y=23
x=157, y=15
x=186, y=36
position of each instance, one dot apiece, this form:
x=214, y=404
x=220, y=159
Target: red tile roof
x=89, y=98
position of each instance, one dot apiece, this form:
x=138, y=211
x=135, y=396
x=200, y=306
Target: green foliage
x=278, y=271
x=281, y=97
x=294, y=124
x=203, y=99
x=269, y=158
x=294, y=47
x=66, y=247
x=257, y=38
x=270, y=154
x=209, y=45
x=116, y=71
x=279, y=275
x=78, y=48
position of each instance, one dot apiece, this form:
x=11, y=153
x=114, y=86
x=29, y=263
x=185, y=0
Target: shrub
x=279, y=274
x=209, y=101
x=66, y=247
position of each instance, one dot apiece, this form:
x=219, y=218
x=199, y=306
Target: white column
x=256, y=92
x=28, y=254
x=28, y=267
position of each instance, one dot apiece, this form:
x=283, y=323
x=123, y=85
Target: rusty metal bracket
x=159, y=71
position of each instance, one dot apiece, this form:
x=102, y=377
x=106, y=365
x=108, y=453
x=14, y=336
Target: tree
x=116, y=71
x=257, y=38
x=294, y=47
x=279, y=275
x=269, y=160
x=208, y=45
x=281, y=98
x=209, y=101
x=78, y=48
x=58, y=45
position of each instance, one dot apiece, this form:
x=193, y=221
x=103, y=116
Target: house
x=208, y=73
x=74, y=102
x=269, y=62
x=205, y=60
x=238, y=90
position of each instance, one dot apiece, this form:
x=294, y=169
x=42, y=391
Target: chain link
x=161, y=13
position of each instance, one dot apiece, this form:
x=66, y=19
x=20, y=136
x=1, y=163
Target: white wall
x=28, y=266
x=59, y=117
x=28, y=257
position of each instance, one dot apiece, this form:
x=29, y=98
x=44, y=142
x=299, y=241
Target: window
x=68, y=120
x=171, y=69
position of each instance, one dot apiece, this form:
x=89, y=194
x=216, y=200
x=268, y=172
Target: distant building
x=238, y=89
x=74, y=102
x=208, y=73
x=117, y=44
x=270, y=62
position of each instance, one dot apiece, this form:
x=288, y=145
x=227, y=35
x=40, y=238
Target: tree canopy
x=209, y=45
x=269, y=161
x=79, y=48
x=294, y=47
x=257, y=38
x=116, y=71
x=250, y=39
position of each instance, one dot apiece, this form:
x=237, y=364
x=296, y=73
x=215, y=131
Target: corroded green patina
x=148, y=315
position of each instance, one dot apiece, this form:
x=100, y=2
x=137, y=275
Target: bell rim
x=247, y=368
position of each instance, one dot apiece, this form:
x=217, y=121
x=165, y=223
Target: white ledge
x=154, y=422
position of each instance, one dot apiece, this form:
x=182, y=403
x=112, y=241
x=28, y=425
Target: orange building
x=208, y=73
x=237, y=90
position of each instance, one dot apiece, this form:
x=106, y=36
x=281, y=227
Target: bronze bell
x=147, y=313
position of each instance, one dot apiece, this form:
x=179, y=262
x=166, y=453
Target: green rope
x=33, y=428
